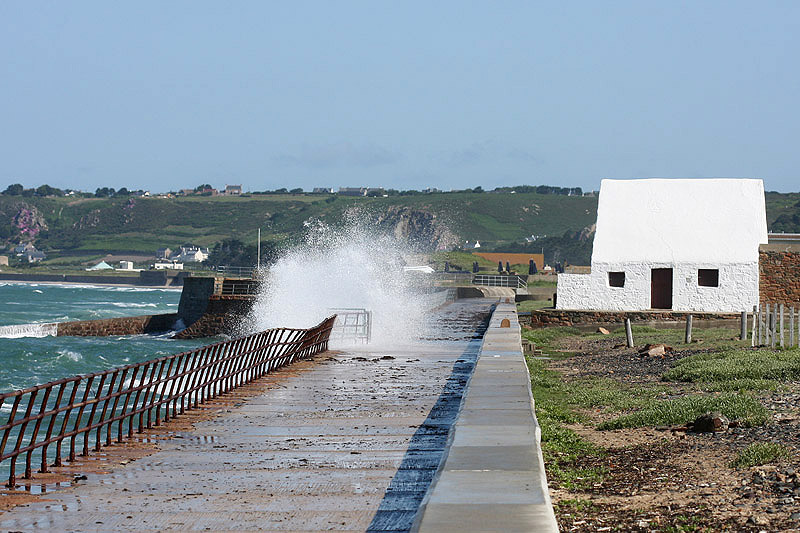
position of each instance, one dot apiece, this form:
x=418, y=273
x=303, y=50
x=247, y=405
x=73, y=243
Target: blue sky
x=168, y=95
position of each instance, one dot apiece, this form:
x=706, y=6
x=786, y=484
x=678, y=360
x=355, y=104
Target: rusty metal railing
x=89, y=411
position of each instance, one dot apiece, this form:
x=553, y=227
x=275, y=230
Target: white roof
x=680, y=220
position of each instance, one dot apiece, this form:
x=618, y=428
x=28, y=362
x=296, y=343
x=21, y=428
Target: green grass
x=760, y=453
x=751, y=367
x=576, y=505
x=742, y=407
x=531, y=305
x=548, y=338
x=561, y=446
x=541, y=283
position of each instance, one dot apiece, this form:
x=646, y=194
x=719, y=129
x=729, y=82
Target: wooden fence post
x=774, y=329
x=767, y=323
x=791, y=327
x=628, y=332
x=688, y=337
x=782, y=336
x=743, y=335
x=753, y=338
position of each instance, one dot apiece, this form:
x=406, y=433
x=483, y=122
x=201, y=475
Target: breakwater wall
x=201, y=313
x=129, y=325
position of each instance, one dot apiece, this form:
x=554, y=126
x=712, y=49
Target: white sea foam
x=69, y=354
x=349, y=267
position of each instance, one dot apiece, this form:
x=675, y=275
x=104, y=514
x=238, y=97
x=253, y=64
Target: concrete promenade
x=346, y=441
x=493, y=475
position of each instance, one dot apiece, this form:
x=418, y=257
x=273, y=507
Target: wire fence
x=57, y=420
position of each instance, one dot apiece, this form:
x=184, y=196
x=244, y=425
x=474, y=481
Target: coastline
x=88, y=280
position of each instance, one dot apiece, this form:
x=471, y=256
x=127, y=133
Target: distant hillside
x=75, y=227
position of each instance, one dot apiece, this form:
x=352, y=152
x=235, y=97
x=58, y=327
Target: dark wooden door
x=661, y=288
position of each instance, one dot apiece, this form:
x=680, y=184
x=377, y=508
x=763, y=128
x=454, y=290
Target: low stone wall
x=561, y=317
x=104, y=327
x=223, y=316
x=779, y=277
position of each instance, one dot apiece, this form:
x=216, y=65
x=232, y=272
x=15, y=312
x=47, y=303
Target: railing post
x=65, y=422
x=51, y=425
x=42, y=410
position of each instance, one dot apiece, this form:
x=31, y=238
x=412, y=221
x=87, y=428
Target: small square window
x=616, y=279
x=708, y=277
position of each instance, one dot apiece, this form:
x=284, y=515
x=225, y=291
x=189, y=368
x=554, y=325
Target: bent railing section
x=74, y=415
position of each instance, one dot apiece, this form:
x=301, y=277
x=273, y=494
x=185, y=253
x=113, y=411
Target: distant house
x=322, y=190
x=163, y=253
x=190, y=254
x=3, y=260
x=125, y=265
x=352, y=191
x=23, y=248
x=34, y=256
x=232, y=190
x=431, y=190
x=375, y=192
x=186, y=192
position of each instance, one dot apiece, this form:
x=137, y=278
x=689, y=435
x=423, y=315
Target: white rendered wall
x=737, y=290
x=683, y=224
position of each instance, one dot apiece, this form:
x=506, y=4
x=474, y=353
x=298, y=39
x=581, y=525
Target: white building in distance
x=681, y=244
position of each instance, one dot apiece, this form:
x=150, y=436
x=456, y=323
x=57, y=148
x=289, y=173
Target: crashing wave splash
x=28, y=330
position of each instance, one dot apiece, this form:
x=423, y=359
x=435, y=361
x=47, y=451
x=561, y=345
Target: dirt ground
x=670, y=479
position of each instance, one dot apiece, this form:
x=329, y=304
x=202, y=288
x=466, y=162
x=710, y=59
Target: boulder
x=711, y=422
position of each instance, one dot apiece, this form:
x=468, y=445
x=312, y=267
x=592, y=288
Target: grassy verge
x=747, y=367
x=530, y=305
x=746, y=409
x=560, y=445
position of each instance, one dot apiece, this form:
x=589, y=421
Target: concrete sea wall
x=492, y=477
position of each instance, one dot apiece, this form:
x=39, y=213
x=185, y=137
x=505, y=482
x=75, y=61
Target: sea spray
x=353, y=266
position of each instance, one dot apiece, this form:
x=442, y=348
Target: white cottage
x=681, y=244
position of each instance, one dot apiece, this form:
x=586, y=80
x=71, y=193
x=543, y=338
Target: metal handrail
x=115, y=397
x=512, y=281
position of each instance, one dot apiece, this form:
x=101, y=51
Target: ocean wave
x=131, y=304
x=69, y=354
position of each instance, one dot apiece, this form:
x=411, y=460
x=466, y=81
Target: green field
x=81, y=227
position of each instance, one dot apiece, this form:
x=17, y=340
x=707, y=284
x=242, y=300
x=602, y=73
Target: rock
x=758, y=520
x=604, y=331
x=655, y=350
x=710, y=422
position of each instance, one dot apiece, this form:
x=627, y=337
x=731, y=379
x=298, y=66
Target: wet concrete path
x=348, y=441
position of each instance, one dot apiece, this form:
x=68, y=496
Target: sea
x=27, y=361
